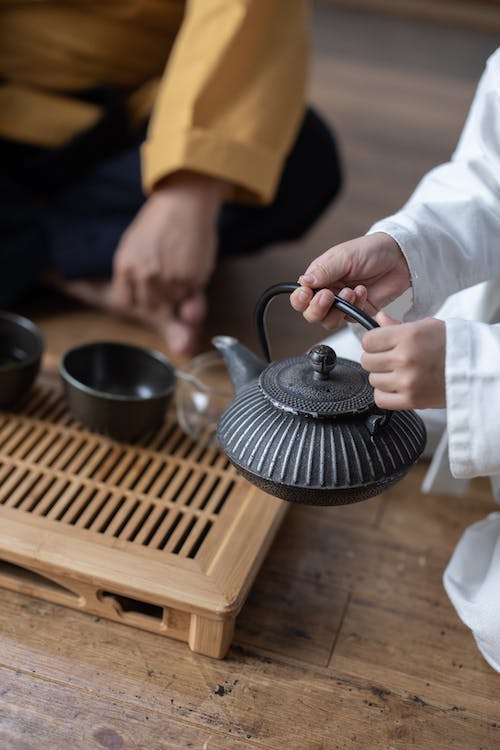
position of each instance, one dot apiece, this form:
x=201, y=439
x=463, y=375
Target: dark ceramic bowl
x=119, y=390
x=21, y=349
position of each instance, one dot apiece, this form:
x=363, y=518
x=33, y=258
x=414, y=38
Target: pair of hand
x=406, y=361
x=166, y=257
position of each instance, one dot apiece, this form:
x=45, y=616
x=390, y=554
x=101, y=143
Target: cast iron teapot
x=306, y=429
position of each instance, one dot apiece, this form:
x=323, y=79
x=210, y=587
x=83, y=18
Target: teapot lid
x=318, y=385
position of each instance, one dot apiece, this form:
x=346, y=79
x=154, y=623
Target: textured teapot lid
x=318, y=385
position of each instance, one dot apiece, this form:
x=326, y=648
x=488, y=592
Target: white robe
x=449, y=232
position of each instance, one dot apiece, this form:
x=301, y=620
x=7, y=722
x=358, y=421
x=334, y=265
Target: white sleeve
x=449, y=230
x=473, y=397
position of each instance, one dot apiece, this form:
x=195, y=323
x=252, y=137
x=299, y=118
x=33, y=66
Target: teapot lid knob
x=323, y=360
x=319, y=385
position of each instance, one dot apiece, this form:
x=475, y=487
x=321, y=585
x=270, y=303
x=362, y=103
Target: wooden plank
x=292, y=617
x=439, y=651
x=82, y=720
x=251, y=696
x=331, y=549
x=436, y=522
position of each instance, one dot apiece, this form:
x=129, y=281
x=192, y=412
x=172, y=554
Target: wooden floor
x=347, y=639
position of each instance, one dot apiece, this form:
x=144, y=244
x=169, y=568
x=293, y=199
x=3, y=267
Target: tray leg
x=210, y=637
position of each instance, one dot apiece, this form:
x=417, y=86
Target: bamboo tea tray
x=161, y=535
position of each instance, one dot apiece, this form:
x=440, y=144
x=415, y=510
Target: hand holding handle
x=287, y=288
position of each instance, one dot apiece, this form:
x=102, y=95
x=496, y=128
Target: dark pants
x=66, y=210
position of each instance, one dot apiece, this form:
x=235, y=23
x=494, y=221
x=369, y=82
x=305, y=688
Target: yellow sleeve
x=232, y=96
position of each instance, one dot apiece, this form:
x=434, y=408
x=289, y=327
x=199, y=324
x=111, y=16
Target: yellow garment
x=228, y=104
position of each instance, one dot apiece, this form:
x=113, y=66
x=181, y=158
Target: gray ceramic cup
x=21, y=349
x=117, y=389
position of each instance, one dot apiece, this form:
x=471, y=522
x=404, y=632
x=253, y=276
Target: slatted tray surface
x=162, y=534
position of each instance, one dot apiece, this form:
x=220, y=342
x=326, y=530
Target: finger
x=384, y=381
x=308, y=280
x=380, y=362
x=334, y=317
x=155, y=293
x=122, y=292
x=391, y=401
x=370, y=308
x=349, y=295
x=318, y=275
x=86, y=291
x=325, y=270
x=319, y=307
x=300, y=299
x=152, y=291
x=193, y=309
x=380, y=340
x=363, y=302
x=148, y=293
x=356, y=296
x=175, y=292
x=385, y=320
x=182, y=338
x=361, y=293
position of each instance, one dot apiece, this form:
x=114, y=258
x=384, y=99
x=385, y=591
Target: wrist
x=202, y=190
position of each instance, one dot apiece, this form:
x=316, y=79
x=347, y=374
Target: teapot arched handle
x=287, y=288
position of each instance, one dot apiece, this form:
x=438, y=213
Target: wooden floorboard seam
x=339, y=629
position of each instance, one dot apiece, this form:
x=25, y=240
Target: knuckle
x=407, y=382
x=415, y=337
x=369, y=341
x=144, y=273
x=122, y=267
x=412, y=389
x=319, y=271
x=402, y=362
x=311, y=315
x=301, y=298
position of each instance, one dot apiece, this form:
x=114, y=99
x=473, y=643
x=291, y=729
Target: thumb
x=342, y=261
x=385, y=320
x=321, y=274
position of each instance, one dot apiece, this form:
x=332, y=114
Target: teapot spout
x=243, y=365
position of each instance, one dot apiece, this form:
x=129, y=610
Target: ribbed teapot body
x=320, y=461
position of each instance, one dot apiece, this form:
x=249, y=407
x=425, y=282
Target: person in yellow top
x=140, y=140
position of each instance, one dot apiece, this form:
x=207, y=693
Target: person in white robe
x=445, y=239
